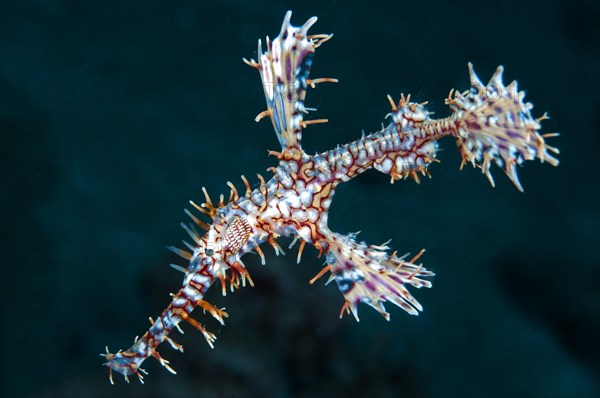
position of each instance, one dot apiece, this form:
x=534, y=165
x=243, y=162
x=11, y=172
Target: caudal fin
x=494, y=125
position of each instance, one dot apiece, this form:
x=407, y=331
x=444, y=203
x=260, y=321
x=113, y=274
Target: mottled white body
x=489, y=123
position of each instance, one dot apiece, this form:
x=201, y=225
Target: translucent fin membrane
x=494, y=125
x=369, y=274
x=284, y=70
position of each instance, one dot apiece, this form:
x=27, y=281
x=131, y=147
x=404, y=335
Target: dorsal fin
x=284, y=70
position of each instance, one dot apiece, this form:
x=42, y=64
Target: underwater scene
x=383, y=199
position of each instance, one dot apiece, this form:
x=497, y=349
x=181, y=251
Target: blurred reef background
x=113, y=114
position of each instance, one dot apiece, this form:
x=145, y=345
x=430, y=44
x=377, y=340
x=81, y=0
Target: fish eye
x=210, y=252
